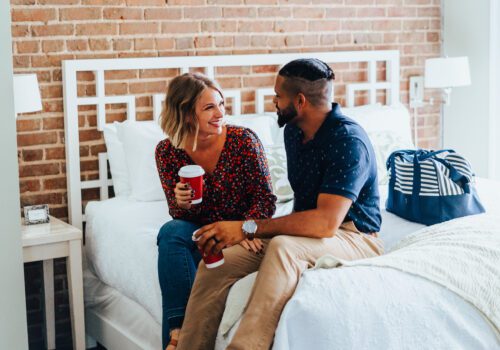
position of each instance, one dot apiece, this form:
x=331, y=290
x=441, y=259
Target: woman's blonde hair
x=178, y=118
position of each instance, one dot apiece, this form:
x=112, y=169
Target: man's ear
x=301, y=100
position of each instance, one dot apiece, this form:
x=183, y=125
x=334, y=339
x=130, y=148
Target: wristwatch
x=249, y=228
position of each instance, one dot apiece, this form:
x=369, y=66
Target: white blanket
x=462, y=255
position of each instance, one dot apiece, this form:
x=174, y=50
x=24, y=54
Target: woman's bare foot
x=174, y=336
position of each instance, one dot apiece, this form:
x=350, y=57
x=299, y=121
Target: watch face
x=250, y=226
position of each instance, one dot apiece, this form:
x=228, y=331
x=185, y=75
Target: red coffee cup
x=193, y=175
x=211, y=260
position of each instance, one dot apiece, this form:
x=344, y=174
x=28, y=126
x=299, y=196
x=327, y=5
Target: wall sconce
x=442, y=73
x=26, y=94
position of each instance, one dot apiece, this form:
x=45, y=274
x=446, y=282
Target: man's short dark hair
x=310, y=69
x=309, y=76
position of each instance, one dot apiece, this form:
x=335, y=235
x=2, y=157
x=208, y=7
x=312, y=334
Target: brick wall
x=48, y=31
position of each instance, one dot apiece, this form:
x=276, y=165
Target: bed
x=122, y=294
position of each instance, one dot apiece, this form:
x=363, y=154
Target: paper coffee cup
x=211, y=260
x=193, y=175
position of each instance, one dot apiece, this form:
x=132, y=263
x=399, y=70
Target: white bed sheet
x=121, y=242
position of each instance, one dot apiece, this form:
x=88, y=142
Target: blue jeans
x=178, y=259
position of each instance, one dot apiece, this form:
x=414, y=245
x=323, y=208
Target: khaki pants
x=280, y=268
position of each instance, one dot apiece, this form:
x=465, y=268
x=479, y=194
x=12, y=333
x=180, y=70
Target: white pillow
x=139, y=141
x=376, y=118
x=276, y=159
x=116, y=156
x=264, y=125
x=388, y=128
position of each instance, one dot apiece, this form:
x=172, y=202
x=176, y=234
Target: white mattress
x=121, y=244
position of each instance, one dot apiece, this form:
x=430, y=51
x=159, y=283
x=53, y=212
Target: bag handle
x=456, y=176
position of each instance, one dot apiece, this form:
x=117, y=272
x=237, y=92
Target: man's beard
x=286, y=115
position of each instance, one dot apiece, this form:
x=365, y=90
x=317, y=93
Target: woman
x=236, y=185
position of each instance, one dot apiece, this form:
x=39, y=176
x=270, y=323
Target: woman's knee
x=176, y=231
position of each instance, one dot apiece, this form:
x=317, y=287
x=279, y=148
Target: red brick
x=116, y=88
x=38, y=169
x=279, y=12
x=251, y=26
x=29, y=186
x=33, y=15
x=99, y=44
x=219, y=26
x=96, y=149
x=55, y=153
x=103, y=2
x=139, y=28
x=180, y=27
x=52, y=45
x=49, y=198
x=52, y=30
x=80, y=14
x=53, y=123
x=20, y=30
x=21, y=61
x=348, y=25
x=122, y=13
x=56, y=183
x=39, y=138
x=399, y=11
x=89, y=135
x=290, y=26
x=51, y=91
x=77, y=45
x=370, y=12
x=324, y=25
x=30, y=155
x=97, y=29
x=239, y=12
x=421, y=24
x=28, y=124
x=386, y=25
x=122, y=44
x=58, y=2
x=146, y=2
x=164, y=44
x=144, y=44
x=162, y=13
x=308, y=12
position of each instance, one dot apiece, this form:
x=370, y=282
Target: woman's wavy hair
x=178, y=118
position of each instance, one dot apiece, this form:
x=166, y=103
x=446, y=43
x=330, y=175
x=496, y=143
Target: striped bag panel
x=435, y=176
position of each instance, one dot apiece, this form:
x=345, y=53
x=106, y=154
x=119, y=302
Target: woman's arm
x=259, y=188
x=165, y=163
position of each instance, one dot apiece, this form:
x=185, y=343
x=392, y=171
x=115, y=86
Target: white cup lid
x=191, y=171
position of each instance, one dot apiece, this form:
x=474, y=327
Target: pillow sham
x=264, y=125
x=139, y=141
x=116, y=157
x=276, y=159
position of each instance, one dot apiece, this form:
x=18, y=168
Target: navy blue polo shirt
x=338, y=160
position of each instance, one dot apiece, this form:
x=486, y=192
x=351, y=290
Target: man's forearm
x=310, y=223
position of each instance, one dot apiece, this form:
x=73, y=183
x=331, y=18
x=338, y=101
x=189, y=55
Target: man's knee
x=281, y=242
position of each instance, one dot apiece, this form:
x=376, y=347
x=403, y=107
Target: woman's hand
x=183, y=195
x=255, y=246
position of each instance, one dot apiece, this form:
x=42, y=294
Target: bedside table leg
x=48, y=288
x=75, y=280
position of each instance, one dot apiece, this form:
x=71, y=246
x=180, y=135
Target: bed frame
x=98, y=326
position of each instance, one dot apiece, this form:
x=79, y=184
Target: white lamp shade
x=26, y=93
x=446, y=72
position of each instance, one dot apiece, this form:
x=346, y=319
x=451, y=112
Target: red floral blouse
x=238, y=189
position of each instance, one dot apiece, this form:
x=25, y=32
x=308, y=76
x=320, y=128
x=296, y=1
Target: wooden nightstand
x=45, y=242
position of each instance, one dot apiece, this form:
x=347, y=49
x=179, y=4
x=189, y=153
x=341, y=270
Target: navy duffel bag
x=430, y=187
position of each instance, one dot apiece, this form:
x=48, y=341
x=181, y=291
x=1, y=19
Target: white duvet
x=121, y=251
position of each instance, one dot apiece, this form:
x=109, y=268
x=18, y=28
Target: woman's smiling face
x=210, y=111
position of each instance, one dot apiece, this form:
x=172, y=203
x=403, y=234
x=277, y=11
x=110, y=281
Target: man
x=332, y=170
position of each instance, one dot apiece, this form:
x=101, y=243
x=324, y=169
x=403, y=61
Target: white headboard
x=209, y=64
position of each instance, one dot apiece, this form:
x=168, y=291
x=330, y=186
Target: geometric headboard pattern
x=209, y=65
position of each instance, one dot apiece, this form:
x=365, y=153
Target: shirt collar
x=322, y=134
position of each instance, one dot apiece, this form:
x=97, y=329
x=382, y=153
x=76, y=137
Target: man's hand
x=223, y=234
